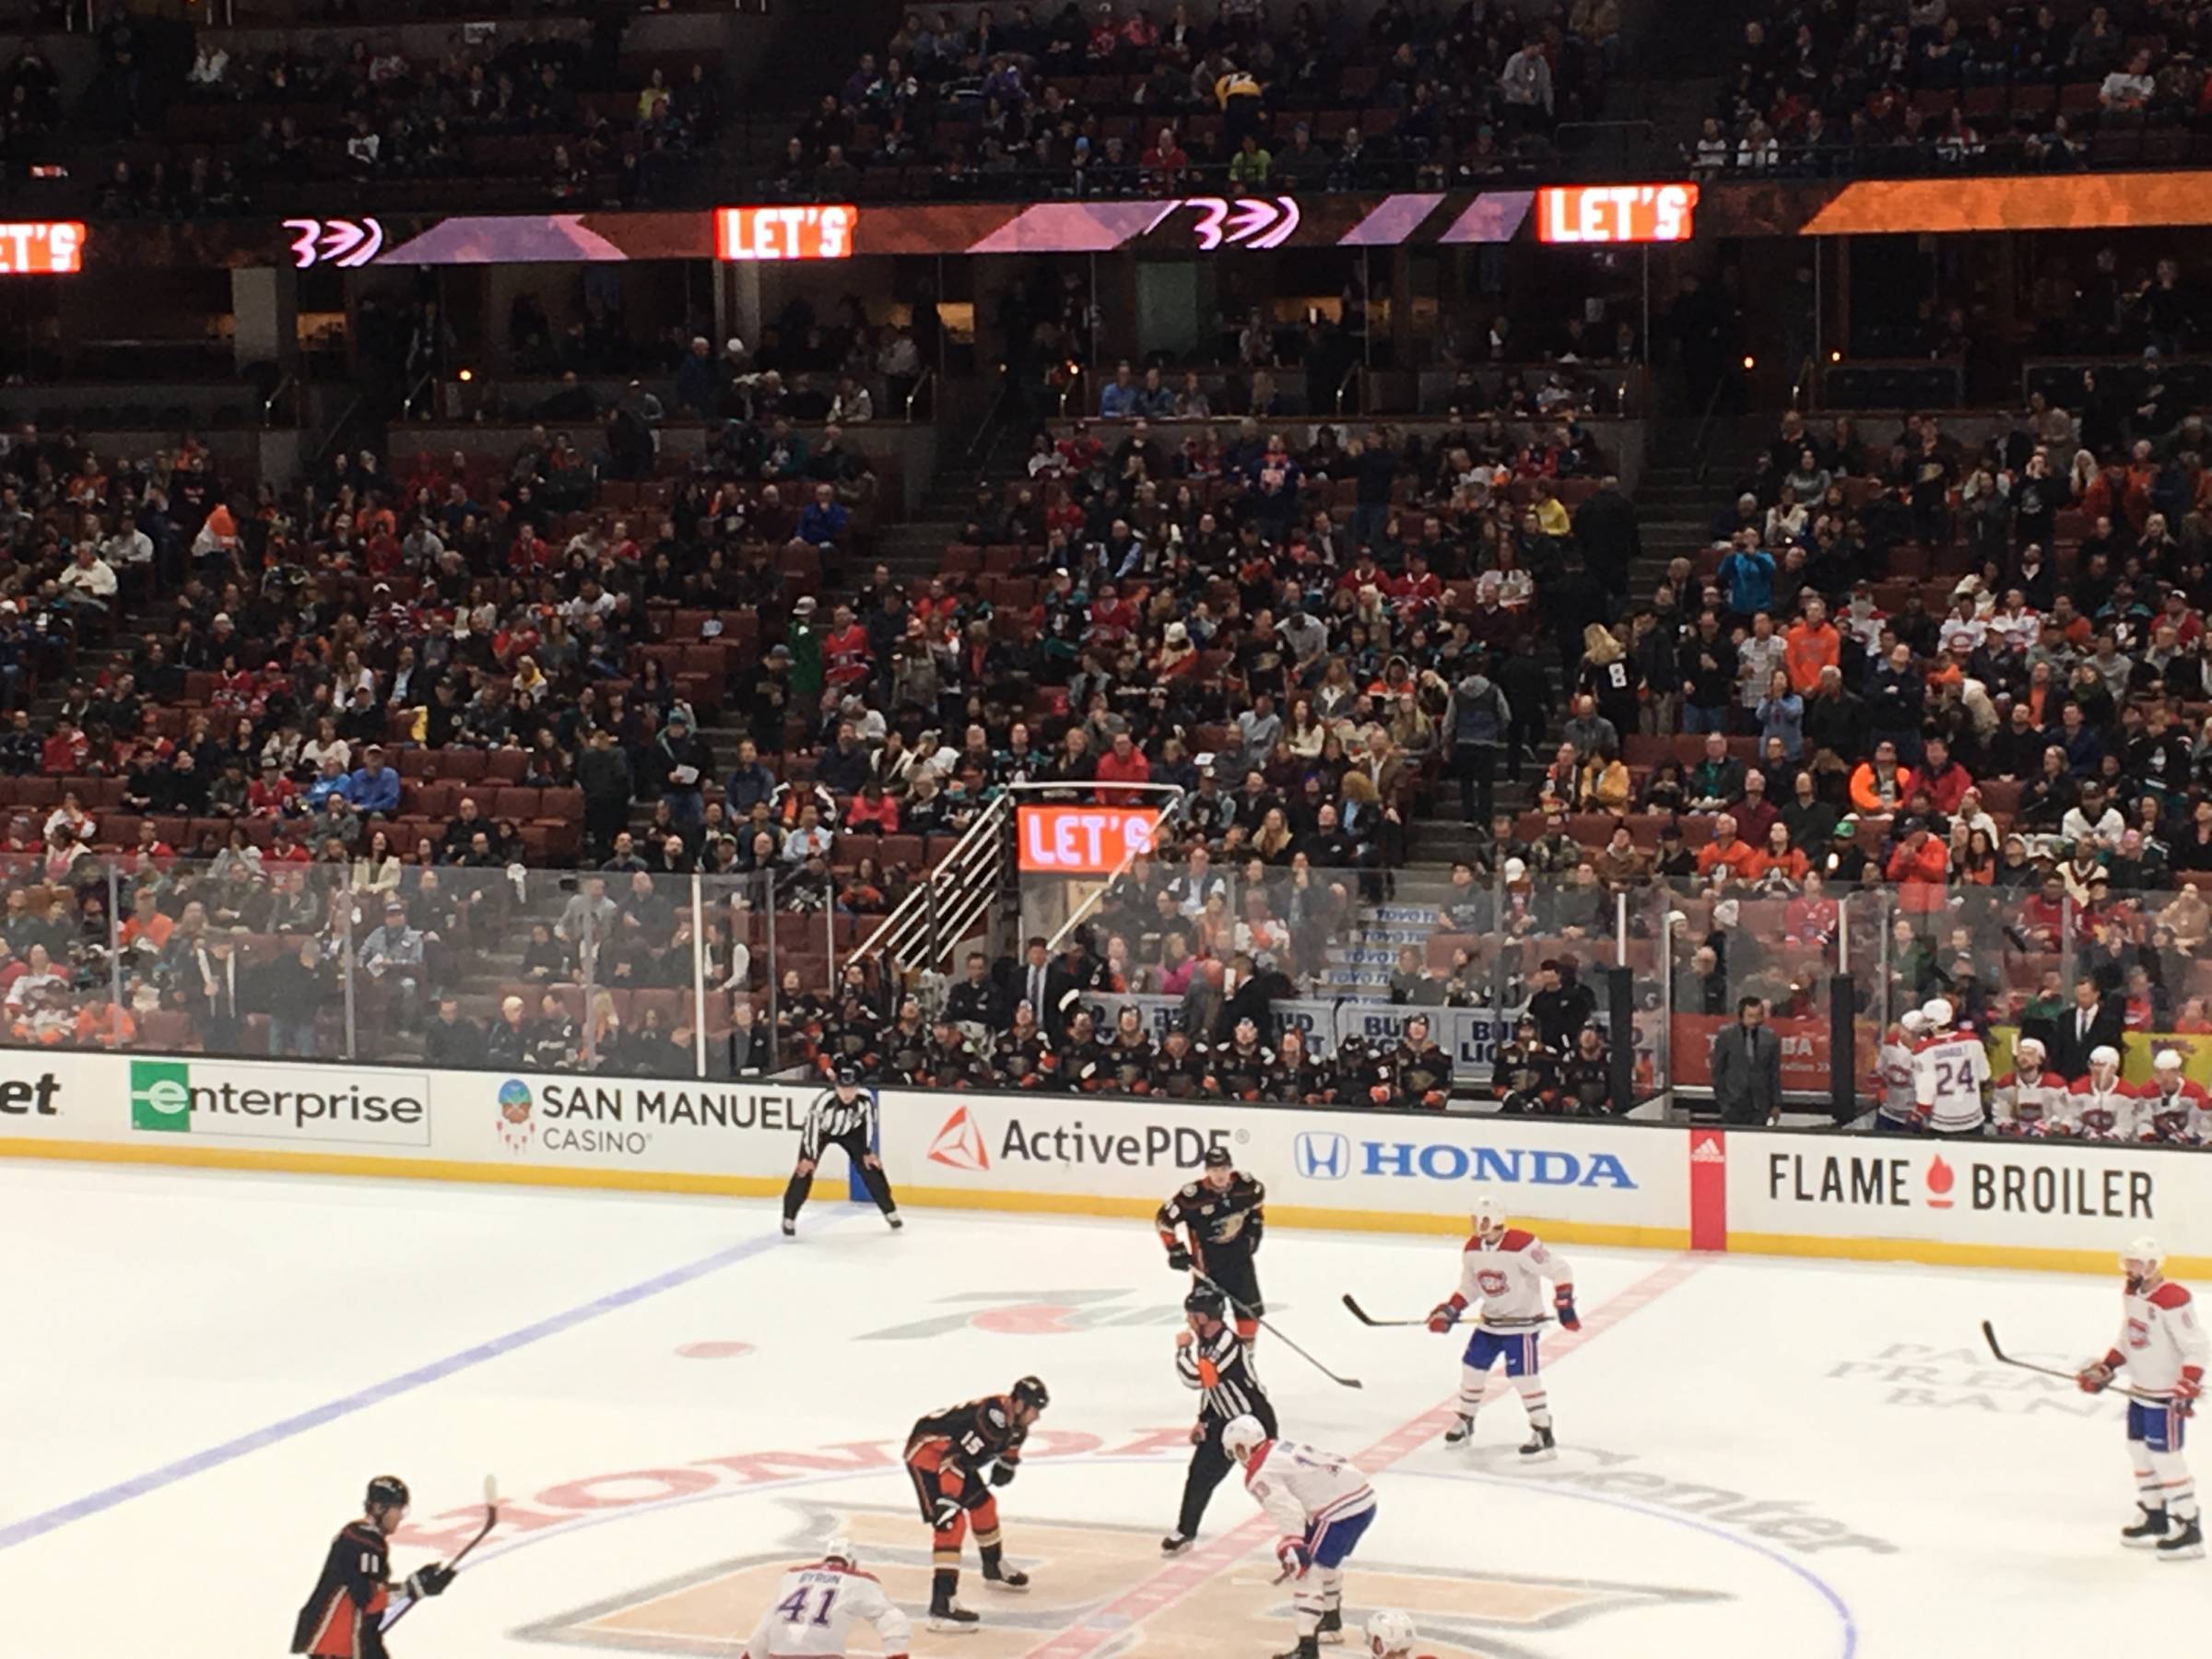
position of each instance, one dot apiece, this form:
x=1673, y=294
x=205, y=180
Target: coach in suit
x=1747, y=1067
x=2094, y=1021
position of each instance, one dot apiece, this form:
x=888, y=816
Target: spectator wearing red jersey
x=1944, y=779
x=1123, y=763
x=847, y=663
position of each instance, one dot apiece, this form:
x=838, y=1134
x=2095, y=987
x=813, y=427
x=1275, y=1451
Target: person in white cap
x=2100, y=1106
x=2173, y=1110
x=1899, y=1112
x=815, y=1607
x=1950, y=1068
x=2165, y=1352
x=1390, y=1635
x=2031, y=1100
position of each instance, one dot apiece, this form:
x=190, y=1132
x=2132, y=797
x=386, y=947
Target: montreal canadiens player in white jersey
x=1322, y=1503
x=816, y=1606
x=1899, y=1112
x=2171, y=1109
x=2031, y=1100
x=2099, y=1106
x=1950, y=1068
x=2165, y=1352
x=1504, y=1268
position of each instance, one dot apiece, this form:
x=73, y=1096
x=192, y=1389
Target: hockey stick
x=491, y=1519
x=1365, y=1318
x=1340, y=1381
x=1989, y=1334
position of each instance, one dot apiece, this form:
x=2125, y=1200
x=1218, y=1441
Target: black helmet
x=1029, y=1390
x=386, y=1492
x=847, y=1072
x=1207, y=1303
x=1218, y=1158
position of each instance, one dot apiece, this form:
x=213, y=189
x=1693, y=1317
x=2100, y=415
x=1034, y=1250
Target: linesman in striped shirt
x=845, y=1116
x=1211, y=1358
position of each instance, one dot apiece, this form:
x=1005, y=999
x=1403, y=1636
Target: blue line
x=376, y=1394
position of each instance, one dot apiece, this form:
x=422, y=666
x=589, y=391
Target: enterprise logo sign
x=1323, y=1155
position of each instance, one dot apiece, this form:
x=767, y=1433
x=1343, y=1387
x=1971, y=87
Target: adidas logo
x=1705, y=1149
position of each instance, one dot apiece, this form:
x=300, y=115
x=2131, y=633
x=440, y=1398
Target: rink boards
x=2037, y=1205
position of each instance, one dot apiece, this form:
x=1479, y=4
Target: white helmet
x=2105, y=1054
x=2168, y=1060
x=1913, y=1022
x=2144, y=1251
x=1388, y=1632
x=1490, y=1213
x=1936, y=1012
x=839, y=1549
x=2030, y=1049
x=1242, y=1436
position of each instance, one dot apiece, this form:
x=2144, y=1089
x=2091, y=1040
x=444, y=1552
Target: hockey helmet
x=839, y=1549
x=1242, y=1436
x=2168, y=1060
x=1913, y=1022
x=1218, y=1158
x=1937, y=1012
x=1488, y=1215
x=1207, y=1303
x=848, y=1074
x=386, y=1492
x=1031, y=1392
x=2030, y=1050
x=1389, y=1633
x=2104, y=1054
x=2145, y=1253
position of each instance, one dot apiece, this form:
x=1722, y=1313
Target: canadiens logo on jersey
x=1461, y=1616
x=1493, y=1282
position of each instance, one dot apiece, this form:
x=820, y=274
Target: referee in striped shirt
x=843, y=1116
x=1212, y=1359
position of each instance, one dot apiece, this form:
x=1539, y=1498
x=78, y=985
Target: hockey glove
x=1294, y=1556
x=1563, y=1301
x=2186, y=1393
x=1003, y=1474
x=1178, y=1259
x=429, y=1581
x=946, y=1515
x=1443, y=1317
x=2094, y=1379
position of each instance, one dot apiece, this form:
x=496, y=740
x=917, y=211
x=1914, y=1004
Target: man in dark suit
x=1606, y=531
x=1747, y=1067
x=2093, y=1022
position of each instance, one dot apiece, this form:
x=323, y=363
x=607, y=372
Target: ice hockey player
x=1243, y=1064
x=2172, y=1110
x=1950, y=1068
x=1210, y=1357
x=844, y=1115
x=1179, y=1067
x=1084, y=1065
x=949, y=1060
x=2165, y=1352
x=1898, y=1112
x=1022, y=1054
x=1505, y=1268
x=1322, y=1503
x=1130, y=1053
x=816, y=1605
x=344, y=1617
x=1299, y=1079
x=1420, y=1072
x=1390, y=1635
x=955, y=1457
x=1355, y=1069
x=2030, y=1100
x=2099, y=1106
x=1527, y=1078
x=1224, y=1214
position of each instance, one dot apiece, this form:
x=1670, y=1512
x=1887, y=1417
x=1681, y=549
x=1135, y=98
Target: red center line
x=1102, y=1626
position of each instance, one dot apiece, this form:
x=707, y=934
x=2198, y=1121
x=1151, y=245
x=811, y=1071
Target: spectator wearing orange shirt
x=1727, y=857
x=1811, y=645
x=1921, y=866
x=1779, y=861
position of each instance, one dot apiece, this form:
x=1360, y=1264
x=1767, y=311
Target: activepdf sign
x=1084, y=840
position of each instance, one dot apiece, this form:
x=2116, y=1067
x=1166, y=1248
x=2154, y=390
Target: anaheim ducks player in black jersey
x=1131, y=1053
x=955, y=1457
x=1356, y=1071
x=1022, y=1055
x=905, y=1048
x=344, y=1616
x=1527, y=1074
x=1084, y=1065
x=949, y=1060
x=1223, y=1214
x=1420, y=1072
x=1586, y=1075
x=1243, y=1065
x=1180, y=1067
x=1298, y=1078
x=851, y=1035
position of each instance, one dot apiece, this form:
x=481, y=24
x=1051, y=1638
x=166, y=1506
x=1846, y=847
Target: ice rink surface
x=1757, y=1457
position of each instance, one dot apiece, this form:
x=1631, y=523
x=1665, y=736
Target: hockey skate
x=1000, y=1576
x=1330, y=1632
x=2149, y=1527
x=947, y=1617
x=791, y=1227
x=2186, y=1543
x=1175, y=1543
x=1460, y=1432
x=895, y=1218
x=1309, y=1647
x=1539, y=1445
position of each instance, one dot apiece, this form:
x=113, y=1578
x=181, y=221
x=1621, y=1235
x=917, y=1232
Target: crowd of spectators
x=1972, y=86
x=1122, y=99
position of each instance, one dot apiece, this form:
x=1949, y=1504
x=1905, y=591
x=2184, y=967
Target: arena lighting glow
x=41, y=248
x=779, y=233
x=1615, y=213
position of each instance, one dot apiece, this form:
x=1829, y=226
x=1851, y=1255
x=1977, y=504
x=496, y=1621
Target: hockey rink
x=1757, y=1457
